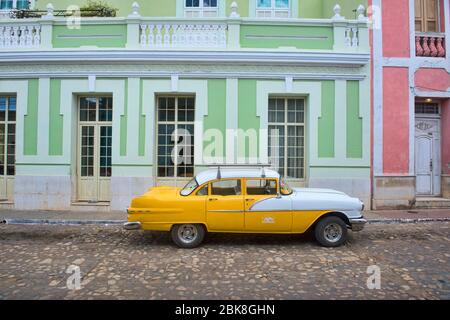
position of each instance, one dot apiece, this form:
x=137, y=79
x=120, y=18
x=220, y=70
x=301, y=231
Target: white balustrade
x=20, y=36
x=351, y=36
x=183, y=36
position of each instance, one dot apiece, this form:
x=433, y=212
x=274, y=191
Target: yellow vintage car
x=250, y=200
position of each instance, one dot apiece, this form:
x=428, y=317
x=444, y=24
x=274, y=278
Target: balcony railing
x=430, y=45
x=179, y=35
x=20, y=36
x=232, y=33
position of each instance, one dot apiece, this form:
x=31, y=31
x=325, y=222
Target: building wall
x=400, y=78
x=47, y=138
x=395, y=121
x=168, y=8
x=445, y=148
x=322, y=61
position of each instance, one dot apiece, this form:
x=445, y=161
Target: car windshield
x=189, y=187
x=285, y=188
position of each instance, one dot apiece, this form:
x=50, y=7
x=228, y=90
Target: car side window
x=203, y=191
x=261, y=187
x=230, y=187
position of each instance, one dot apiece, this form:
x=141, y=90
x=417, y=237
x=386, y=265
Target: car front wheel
x=188, y=235
x=331, y=232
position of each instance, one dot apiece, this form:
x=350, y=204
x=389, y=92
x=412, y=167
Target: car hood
x=323, y=199
x=317, y=190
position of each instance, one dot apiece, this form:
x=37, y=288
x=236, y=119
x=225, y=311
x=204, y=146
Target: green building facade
x=88, y=106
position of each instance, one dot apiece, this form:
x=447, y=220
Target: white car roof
x=211, y=174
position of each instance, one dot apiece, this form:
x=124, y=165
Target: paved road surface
x=414, y=261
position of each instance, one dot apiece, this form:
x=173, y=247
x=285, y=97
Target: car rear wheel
x=331, y=232
x=188, y=235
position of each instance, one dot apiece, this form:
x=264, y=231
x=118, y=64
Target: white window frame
x=286, y=125
x=175, y=122
x=199, y=12
x=273, y=11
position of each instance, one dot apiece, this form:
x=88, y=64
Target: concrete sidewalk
x=118, y=217
x=62, y=217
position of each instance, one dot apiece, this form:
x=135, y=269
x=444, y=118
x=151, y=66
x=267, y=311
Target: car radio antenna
x=219, y=176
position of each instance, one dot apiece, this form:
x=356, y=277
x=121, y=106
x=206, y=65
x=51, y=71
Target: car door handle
x=212, y=199
x=249, y=199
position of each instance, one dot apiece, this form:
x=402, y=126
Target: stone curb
x=407, y=220
x=62, y=222
x=120, y=222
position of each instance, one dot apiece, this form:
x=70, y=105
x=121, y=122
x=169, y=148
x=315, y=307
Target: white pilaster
x=340, y=119
x=411, y=81
x=43, y=117
x=377, y=90
x=133, y=117
x=231, y=119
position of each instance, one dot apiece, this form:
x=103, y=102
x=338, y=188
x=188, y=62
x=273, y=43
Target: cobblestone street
x=414, y=260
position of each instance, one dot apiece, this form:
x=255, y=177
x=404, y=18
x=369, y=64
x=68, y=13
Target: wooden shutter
x=418, y=12
x=431, y=16
x=426, y=15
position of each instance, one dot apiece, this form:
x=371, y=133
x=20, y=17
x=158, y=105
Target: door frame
x=8, y=180
x=97, y=124
x=296, y=182
x=176, y=181
x=436, y=162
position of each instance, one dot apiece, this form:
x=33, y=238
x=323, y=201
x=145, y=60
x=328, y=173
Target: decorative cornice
x=173, y=56
x=202, y=75
x=203, y=71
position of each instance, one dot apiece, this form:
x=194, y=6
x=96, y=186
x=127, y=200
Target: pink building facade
x=411, y=103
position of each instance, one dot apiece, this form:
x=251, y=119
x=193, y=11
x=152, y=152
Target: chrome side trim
x=132, y=225
x=225, y=210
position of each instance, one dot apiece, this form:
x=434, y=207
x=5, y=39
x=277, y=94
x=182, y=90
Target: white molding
x=433, y=94
x=174, y=82
x=153, y=87
x=340, y=119
x=447, y=32
x=292, y=10
x=91, y=80
x=416, y=62
x=232, y=115
x=411, y=81
x=133, y=117
x=252, y=9
x=312, y=92
x=217, y=57
x=181, y=9
x=289, y=81
x=20, y=88
x=377, y=94
x=43, y=117
x=186, y=75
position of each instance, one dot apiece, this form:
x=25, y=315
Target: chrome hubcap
x=333, y=232
x=187, y=233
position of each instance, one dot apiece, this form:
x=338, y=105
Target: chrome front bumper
x=132, y=225
x=357, y=224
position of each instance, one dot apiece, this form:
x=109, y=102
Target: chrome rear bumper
x=132, y=225
x=357, y=224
